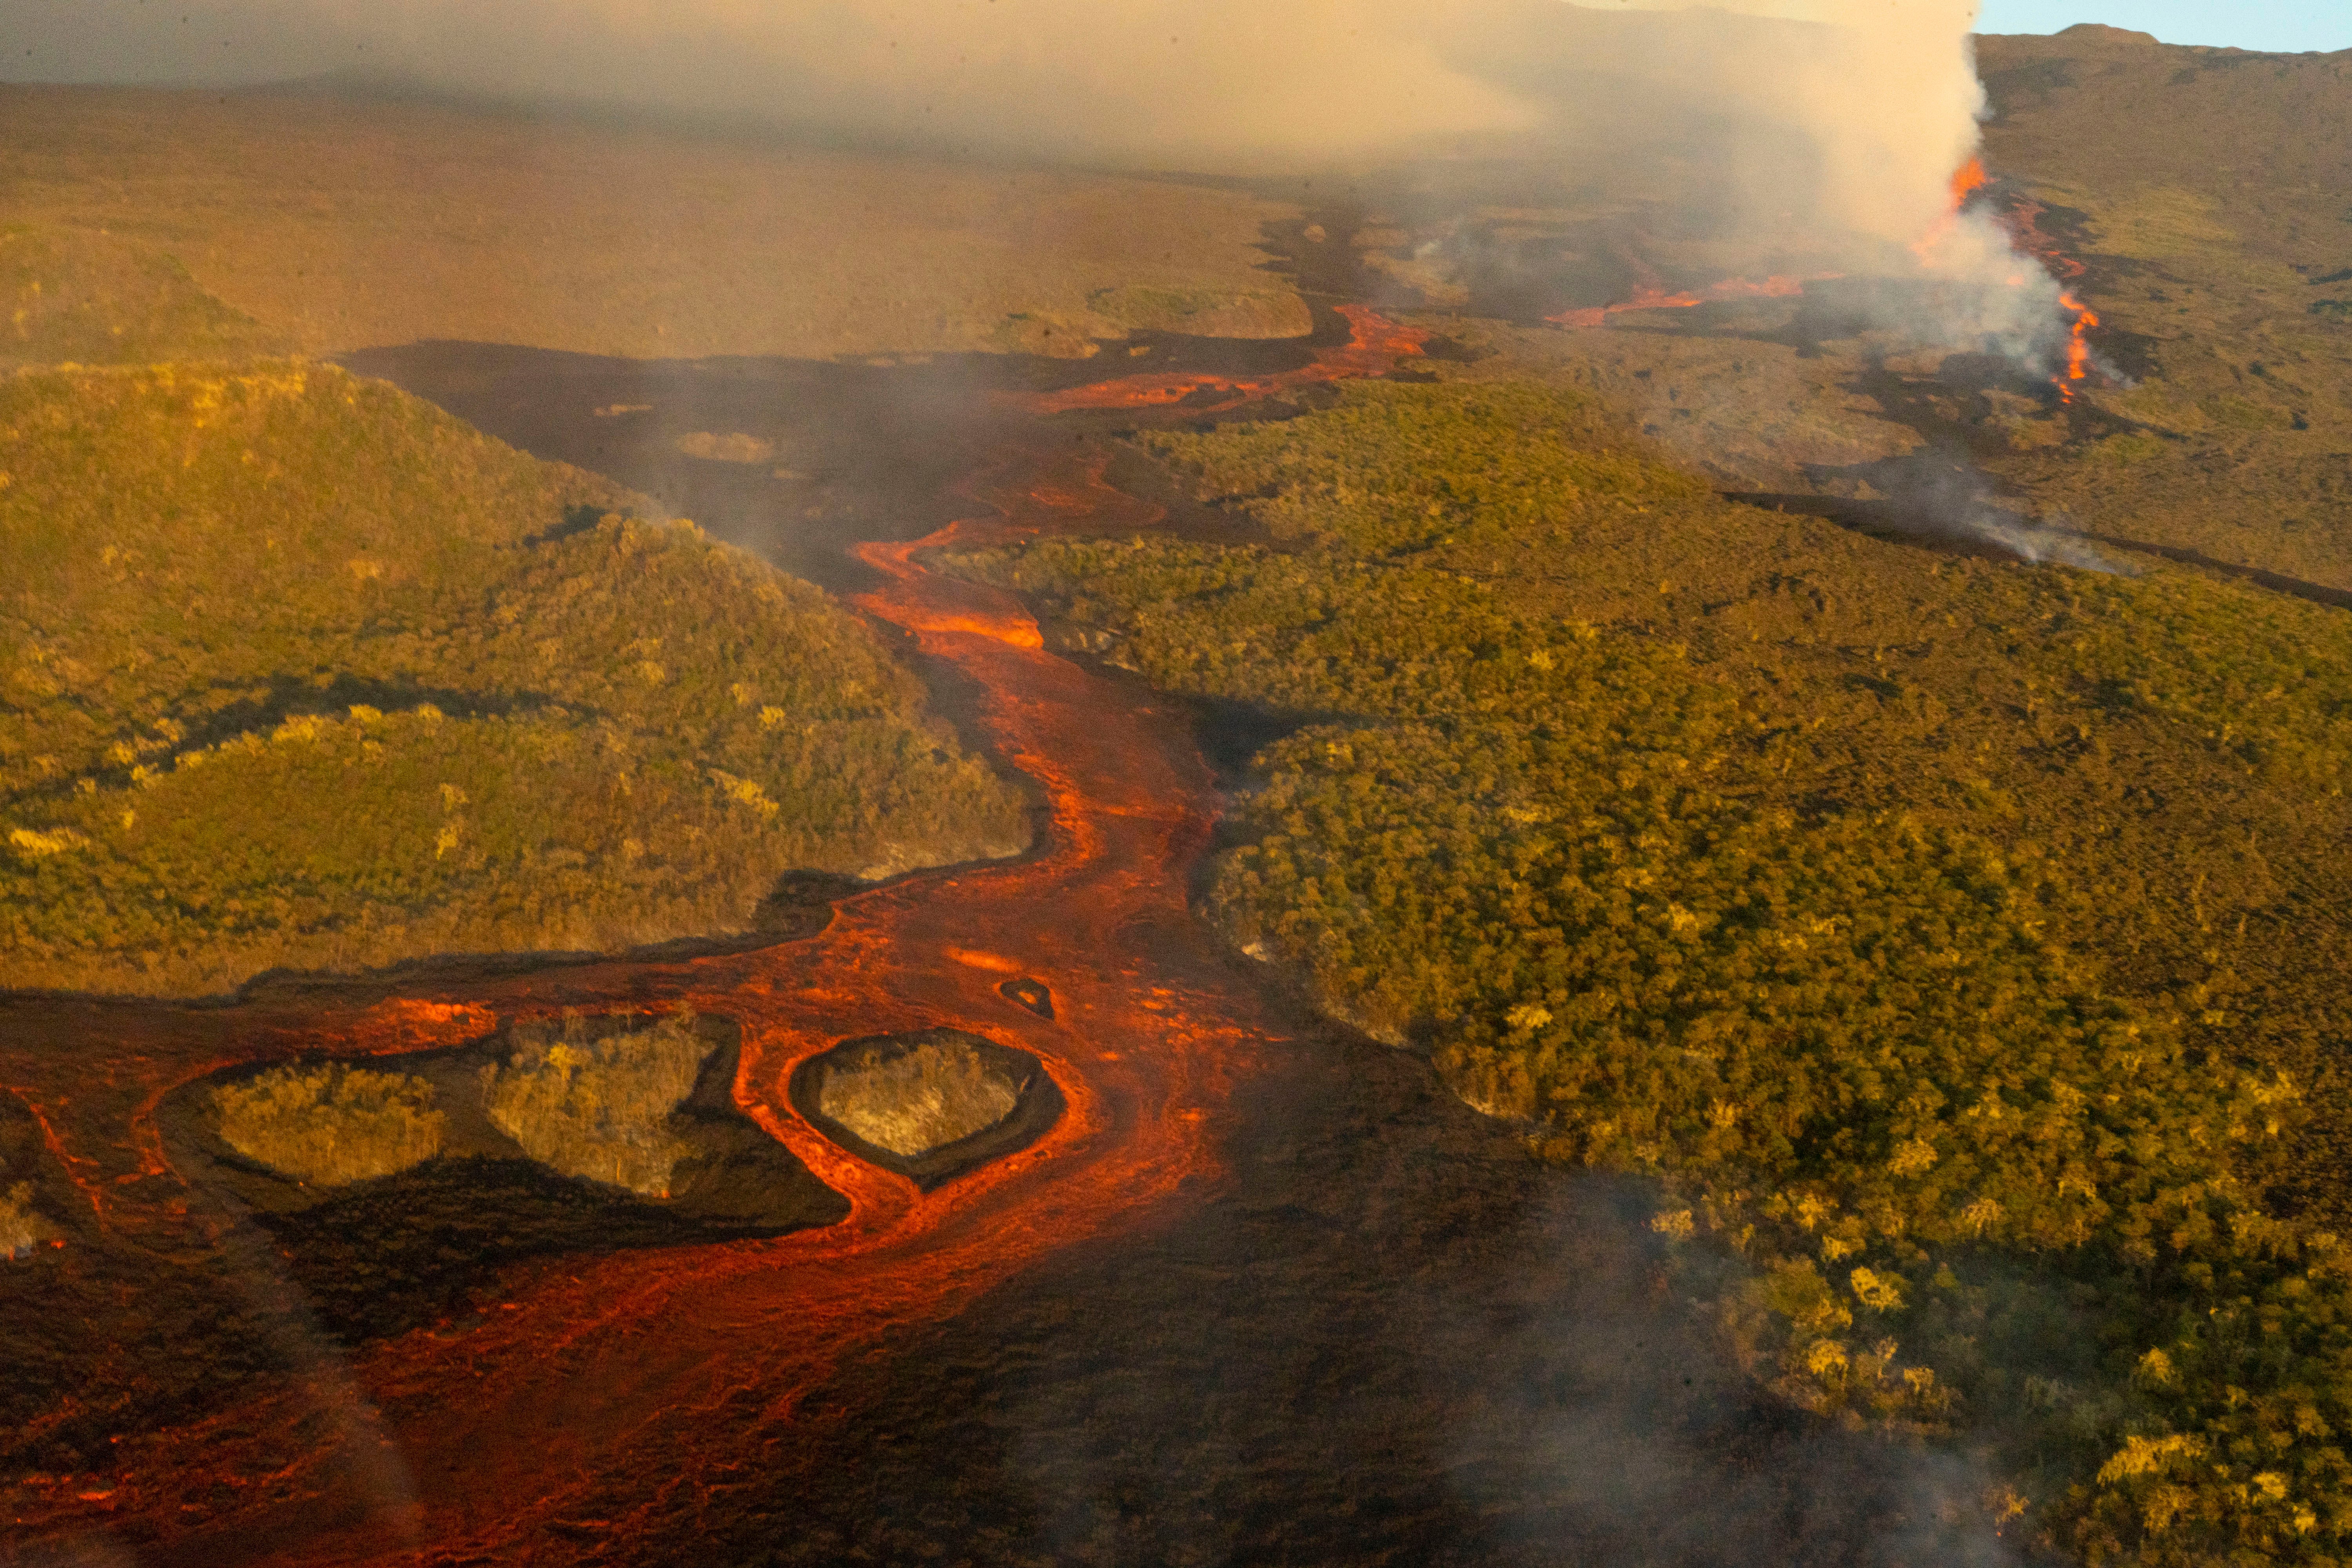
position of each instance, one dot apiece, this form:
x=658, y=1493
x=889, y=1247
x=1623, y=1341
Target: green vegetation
x=924, y=1098
x=1204, y=312
x=96, y=299
x=296, y=670
x=20, y=1225
x=599, y=1109
x=331, y=1125
x=1955, y=941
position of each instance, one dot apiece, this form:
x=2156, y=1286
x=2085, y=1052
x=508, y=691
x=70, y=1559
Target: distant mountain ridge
x=2205, y=194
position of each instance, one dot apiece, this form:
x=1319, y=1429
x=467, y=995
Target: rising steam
x=1839, y=121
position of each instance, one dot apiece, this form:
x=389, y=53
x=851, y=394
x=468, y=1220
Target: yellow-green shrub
x=20, y=1227
x=600, y=1109
x=298, y=671
x=922, y=1099
x=331, y=1125
x=1876, y=904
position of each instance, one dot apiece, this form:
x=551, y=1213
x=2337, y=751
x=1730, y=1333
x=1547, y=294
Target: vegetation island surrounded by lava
x=761, y=840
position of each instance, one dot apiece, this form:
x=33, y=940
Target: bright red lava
x=614, y=1397
x=1967, y=182
x=2022, y=220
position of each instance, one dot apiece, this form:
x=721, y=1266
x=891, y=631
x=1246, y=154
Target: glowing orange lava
x=1374, y=344
x=1650, y=294
x=2078, y=350
x=2021, y=221
x=629, y=1390
x=1966, y=181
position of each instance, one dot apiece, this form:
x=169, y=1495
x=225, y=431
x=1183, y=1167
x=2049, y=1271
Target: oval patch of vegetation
x=329, y=1126
x=393, y=1193
x=929, y=1105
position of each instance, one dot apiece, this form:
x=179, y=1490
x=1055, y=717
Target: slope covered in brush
x=297, y=670
x=1956, y=938
x=94, y=299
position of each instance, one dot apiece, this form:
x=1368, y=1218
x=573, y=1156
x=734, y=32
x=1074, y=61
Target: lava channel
x=612, y=1397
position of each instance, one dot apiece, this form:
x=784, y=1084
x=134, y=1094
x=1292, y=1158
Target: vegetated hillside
x=355, y=222
x=1953, y=938
x=2208, y=195
x=295, y=669
x=93, y=299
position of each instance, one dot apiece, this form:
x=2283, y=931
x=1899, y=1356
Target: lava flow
x=613, y=1397
x=1649, y=296
x=1374, y=344
x=1966, y=181
x=2078, y=348
x=2019, y=218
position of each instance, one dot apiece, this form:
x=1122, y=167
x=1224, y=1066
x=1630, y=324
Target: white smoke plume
x=1843, y=120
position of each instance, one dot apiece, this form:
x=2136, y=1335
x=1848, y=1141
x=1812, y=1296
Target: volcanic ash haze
x=1830, y=126
x=1880, y=93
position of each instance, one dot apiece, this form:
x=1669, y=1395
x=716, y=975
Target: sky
x=2281, y=24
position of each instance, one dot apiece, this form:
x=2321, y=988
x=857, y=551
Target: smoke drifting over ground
x=1838, y=124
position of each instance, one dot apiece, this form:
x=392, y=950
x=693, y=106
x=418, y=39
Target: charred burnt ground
x=834, y=453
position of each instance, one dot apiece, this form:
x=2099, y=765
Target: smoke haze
x=1841, y=121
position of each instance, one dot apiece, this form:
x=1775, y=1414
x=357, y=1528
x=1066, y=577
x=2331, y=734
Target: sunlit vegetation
x=95, y=299
x=1955, y=942
x=924, y=1098
x=601, y=1109
x=331, y=1125
x=20, y=1225
x=296, y=670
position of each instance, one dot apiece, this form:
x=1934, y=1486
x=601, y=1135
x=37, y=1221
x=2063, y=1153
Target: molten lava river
x=1262, y=1292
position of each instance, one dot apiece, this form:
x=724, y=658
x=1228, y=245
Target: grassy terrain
x=297, y=670
x=354, y=223
x=95, y=299
x=1956, y=939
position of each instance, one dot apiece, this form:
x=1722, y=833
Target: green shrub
x=1886, y=908
x=920, y=1099
x=21, y=1228
x=600, y=1109
x=96, y=299
x=331, y=1125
